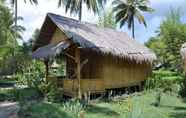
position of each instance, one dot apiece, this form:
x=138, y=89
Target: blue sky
x=34, y=16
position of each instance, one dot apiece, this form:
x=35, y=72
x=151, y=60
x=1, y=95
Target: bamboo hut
x=97, y=59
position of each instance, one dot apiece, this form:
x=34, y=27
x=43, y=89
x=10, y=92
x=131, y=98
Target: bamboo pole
x=77, y=55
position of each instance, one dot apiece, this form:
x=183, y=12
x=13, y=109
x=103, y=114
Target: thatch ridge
x=104, y=40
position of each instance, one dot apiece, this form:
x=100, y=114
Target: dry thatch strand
x=104, y=40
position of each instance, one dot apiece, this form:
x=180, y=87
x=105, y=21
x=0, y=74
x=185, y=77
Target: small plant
x=75, y=108
x=158, y=98
x=133, y=111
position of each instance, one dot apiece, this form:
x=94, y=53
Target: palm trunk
x=15, y=12
x=14, y=41
x=133, y=34
x=80, y=10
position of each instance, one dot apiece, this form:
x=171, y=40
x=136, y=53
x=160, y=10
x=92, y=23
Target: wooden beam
x=46, y=62
x=68, y=55
x=82, y=64
x=77, y=55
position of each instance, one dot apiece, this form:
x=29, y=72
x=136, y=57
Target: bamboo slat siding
x=87, y=85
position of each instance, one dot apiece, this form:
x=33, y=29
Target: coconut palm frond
x=126, y=10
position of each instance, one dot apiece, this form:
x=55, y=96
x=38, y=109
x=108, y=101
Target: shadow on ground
x=178, y=111
x=174, y=107
x=178, y=115
x=43, y=110
x=101, y=110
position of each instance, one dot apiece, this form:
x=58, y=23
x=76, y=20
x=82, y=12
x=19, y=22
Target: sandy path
x=8, y=109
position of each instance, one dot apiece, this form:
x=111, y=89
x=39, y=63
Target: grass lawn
x=170, y=107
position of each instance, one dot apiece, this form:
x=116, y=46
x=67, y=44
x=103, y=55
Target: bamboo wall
x=115, y=72
x=102, y=71
x=119, y=73
x=70, y=86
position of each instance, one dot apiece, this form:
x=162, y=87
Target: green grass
x=170, y=107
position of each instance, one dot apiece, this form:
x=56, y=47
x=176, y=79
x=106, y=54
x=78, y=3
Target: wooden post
x=77, y=55
x=46, y=70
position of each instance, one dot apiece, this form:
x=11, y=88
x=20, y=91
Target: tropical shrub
x=50, y=91
x=164, y=79
x=32, y=74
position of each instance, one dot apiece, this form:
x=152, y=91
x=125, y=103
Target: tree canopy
x=8, y=33
x=167, y=43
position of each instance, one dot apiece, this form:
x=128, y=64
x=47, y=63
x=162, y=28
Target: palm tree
x=8, y=30
x=127, y=10
x=15, y=5
x=106, y=19
x=75, y=6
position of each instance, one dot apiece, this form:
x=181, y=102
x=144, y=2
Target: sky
x=34, y=16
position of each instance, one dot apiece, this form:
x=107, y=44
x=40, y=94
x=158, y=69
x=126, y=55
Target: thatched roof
x=183, y=51
x=103, y=40
x=50, y=50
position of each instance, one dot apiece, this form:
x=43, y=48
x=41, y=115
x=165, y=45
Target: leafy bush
x=33, y=77
x=165, y=79
x=32, y=74
x=50, y=91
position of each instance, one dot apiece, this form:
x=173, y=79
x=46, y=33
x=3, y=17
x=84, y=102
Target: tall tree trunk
x=15, y=12
x=80, y=10
x=133, y=34
x=14, y=41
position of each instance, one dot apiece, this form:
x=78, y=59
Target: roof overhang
x=50, y=51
